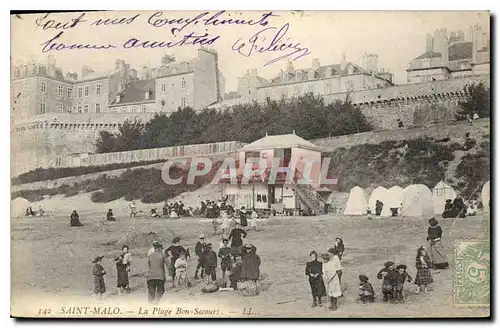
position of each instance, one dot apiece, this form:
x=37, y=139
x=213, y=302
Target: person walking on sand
x=157, y=263
x=436, y=249
x=123, y=262
x=314, y=271
x=331, y=267
x=133, y=209
x=423, y=263
x=236, y=238
x=98, y=272
x=174, y=251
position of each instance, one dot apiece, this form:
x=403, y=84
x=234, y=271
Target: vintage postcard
x=250, y=164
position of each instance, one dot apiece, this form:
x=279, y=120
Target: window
x=163, y=87
x=44, y=87
x=59, y=107
x=98, y=89
x=60, y=91
x=350, y=69
x=328, y=87
x=134, y=109
x=69, y=91
x=79, y=109
x=18, y=72
x=42, y=106
x=143, y=108
x=183, y=102
x=124, y=109
x=86, y=92
x=68, y=109
x=146, y=95
x=184, y=66
x=86, y=108
x=350, y=85
x=426, y=63
x=80, y=92
x=183, y=83
x=97, y=108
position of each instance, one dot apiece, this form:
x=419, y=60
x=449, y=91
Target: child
x=199, y=250
x=181, y=270
x=210, y=264
x=423, y=263
x=225, y=255
x=236, y=272
x=387, y=273
x=400, y=278
x=366, y=292
x=253, y=222
x=98, y=272
x=314, y=270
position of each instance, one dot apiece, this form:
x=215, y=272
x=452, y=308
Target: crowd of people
x=325, y=277
x=239, y=266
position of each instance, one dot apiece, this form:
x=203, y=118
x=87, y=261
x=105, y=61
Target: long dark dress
x=121, y=273
x=75, y=220
x=436, y=249
x=317, y=284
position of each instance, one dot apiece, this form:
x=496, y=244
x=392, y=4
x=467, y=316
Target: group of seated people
x=455, y=209
x=174, y=210
x=31, y=212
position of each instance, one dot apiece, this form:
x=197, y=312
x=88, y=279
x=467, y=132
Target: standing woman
x=436, y=249
x=331, y=267
x=314, y=270
x=122, y=269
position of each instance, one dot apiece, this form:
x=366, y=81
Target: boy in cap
x=98, y=272
x=199, y=250
x=400, y=277
x=210, y=264
x=225, y=256
x=387, y=273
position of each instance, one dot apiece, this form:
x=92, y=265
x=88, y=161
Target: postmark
x=471, y=285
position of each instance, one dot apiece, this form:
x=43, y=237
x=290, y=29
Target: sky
x=395, y=36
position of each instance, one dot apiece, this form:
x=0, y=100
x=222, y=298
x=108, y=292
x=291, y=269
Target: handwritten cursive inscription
x=262, y=42
x=46, y=24
x=216, y=19
x=52, y=45
x=188, y=39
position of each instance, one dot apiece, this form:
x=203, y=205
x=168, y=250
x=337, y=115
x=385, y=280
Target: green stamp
x=471, y=285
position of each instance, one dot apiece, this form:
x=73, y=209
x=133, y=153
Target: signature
x=278, y=43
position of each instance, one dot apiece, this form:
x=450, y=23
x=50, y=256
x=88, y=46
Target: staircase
x=308, y=195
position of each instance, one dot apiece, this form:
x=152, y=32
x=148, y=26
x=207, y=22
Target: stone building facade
x=451, y=55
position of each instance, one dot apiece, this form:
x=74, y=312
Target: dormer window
x=350, y=69
x=117, y=99
x=146, y=95
x=184, y=66
x=329, y=72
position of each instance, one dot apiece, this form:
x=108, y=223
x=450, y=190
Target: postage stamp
x=472, y=273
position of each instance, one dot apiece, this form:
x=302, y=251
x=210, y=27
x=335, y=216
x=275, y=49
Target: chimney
x=343, y=62
x=429, y=43
x=315, y=64
x=133, y=74
x=86, y=71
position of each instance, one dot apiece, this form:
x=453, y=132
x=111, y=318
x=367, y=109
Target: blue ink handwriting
x=51, y=45
x=48, y=24
x=258, y=43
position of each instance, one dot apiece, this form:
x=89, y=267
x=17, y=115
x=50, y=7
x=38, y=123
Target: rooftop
x=135, y=92
x=280, y=141
x=429, y=54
